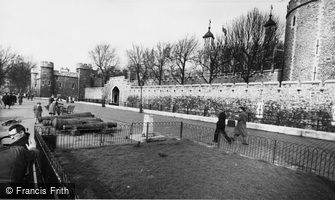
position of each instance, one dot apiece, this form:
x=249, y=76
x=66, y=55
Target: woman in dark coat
x=220, y=128
x=241, y=127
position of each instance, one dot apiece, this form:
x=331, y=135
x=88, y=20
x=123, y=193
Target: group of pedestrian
x=8, y=100
x=239, y=130
x=30, y=96
x=54, y=106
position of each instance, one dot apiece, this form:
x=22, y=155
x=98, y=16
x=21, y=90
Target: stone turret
x=84, y=78
x=46, y=81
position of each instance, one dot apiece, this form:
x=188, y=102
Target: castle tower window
x=293, y=22
x=60, y=84
x=73, y=85
x=317, y=47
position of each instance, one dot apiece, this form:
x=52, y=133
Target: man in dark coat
x=220, y=128
x=13, y=98
x=17, y=156
x=7, y=100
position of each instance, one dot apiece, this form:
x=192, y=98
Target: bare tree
x=149, y=61
x=249, y=40
x=6, y=57
x=161, y=60
x=19, y=74
x=183, y=52
x=136, y=64
x=106, y=59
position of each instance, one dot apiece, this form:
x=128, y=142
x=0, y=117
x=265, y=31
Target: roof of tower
x=209, y=34
x=270, y=22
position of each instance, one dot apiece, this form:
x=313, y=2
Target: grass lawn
x=175, y=169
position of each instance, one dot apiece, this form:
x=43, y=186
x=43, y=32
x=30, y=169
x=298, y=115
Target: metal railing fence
x=297, y=156
x=49, y=169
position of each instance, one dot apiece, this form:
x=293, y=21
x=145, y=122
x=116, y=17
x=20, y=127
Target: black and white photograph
x=167, y=99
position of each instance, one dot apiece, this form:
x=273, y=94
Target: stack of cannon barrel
x=77, y=123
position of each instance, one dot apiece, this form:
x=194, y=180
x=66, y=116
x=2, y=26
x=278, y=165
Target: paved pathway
x=24, y=112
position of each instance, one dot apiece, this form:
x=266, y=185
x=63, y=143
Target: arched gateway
x=115, y=96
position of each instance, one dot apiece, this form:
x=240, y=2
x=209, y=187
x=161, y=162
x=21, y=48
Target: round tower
x=46, y=80
x=84, y=78
x=34, y=77
x=309, y=40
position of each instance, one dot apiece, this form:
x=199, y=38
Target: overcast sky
x=63, y=31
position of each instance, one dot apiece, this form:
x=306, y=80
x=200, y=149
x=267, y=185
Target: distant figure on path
x=241, y=127
x=52, y=108
x=20, y=99
x=220, y=128
x=38, y=111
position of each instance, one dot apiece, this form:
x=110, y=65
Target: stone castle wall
x=307, y=94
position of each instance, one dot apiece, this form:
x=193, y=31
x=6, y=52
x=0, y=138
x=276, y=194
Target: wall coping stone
x=270, y=83
x=255, y=84
x=241, y=84
x=227, y=84
x=289, y=82
x=310, y=82
x=216, y=84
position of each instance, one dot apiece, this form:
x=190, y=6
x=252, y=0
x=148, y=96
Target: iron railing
x=297, y=156
x=49, y=170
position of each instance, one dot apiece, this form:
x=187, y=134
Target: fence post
x=317, y=123
x=147, y=133
x=104, y=131
x=181, y=130
x=131, y=131
x=274, y=152
x=219, y=140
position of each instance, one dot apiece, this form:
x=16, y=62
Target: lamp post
x=141, y=103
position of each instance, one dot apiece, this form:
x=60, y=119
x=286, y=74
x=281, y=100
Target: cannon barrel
x=58, y=123
x=84, y=114
x=91, y=126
